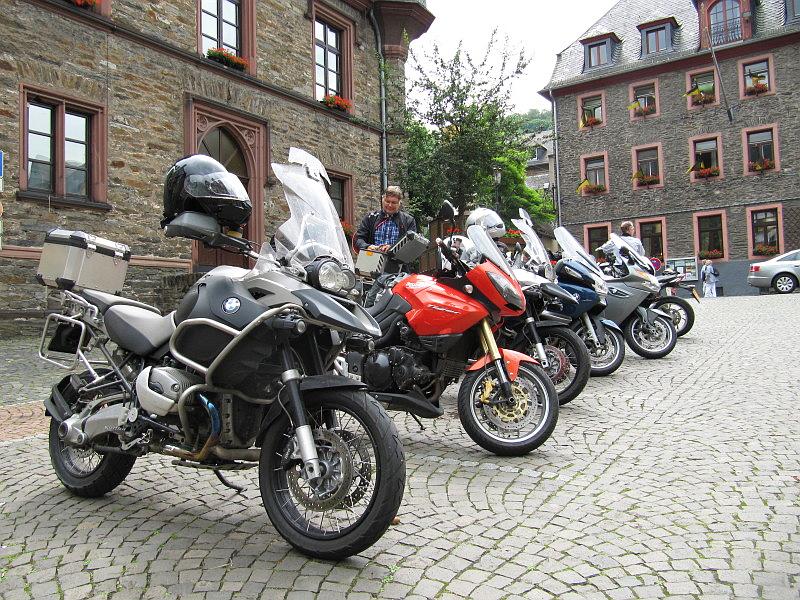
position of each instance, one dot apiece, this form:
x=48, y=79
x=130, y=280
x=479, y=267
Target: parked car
x=781, y=272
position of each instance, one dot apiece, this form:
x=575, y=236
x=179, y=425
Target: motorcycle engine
x=395, y=368
x=159, y=388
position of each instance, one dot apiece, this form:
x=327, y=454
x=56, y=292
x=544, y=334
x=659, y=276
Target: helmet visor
x=215, y=185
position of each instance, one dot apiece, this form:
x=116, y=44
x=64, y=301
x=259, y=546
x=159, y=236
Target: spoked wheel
x=605, y=358
x=508, y=428
x=650, y=341
x=350, y=507
x=83, y=471
x=569, y=364
x=680, y=310
x=784, y=283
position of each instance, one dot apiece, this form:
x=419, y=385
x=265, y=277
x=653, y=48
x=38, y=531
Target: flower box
x=760, y=166
x=227, y=58
x=592, y=121
x=703, y=99
x=337, y=103
x=85, y=3
x=347, y=228
x=756, y=89
x=707, y=173
x=765, y=250
x=643, y=111
x=646, y=180
x=593, y=188
x=712, y=254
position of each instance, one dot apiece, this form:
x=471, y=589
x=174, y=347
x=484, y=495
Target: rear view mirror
x=193, y=225
x=447, y=211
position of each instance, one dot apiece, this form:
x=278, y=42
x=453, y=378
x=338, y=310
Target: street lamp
x=497, y=172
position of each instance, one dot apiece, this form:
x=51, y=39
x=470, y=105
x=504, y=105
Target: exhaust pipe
x=211, y=442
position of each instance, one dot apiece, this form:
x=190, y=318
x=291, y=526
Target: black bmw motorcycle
x=239, y=375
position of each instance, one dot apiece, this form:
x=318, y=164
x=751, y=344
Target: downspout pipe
x=382, y=86
x=554, y=108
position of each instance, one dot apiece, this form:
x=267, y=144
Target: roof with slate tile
x=769, y=17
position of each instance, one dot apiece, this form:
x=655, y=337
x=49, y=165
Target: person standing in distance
x=380, y=230
x=709, y=276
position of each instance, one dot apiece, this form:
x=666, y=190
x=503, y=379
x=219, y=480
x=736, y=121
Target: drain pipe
x=384, y=149
x=555, y=150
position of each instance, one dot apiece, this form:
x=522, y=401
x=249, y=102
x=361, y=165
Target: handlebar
x=448, y=253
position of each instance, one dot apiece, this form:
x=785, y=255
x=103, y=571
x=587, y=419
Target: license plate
x=695, y=294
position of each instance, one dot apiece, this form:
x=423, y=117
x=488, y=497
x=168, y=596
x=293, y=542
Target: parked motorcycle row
x=281, y=368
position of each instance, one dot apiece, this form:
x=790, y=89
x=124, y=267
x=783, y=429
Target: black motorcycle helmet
x=198, y=183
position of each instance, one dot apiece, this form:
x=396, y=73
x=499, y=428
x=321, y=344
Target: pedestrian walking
x=709, y=276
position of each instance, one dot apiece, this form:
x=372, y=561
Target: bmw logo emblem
x=231, y=305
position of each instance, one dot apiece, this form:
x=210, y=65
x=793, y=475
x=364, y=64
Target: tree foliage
x=536, y=121
x=459, y=126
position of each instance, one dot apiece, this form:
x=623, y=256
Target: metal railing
x=726, y=32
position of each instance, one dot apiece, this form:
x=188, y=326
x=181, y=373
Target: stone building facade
x=96, y=103
x=714, y=173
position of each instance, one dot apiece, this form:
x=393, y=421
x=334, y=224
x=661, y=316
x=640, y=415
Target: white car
x=781, y=272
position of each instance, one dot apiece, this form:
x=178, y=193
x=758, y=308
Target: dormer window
x=657, y=36
x=598, y=51
x=793, y=9
x=725, y=19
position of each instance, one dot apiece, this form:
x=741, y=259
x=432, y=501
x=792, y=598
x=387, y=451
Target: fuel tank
x=437, y=309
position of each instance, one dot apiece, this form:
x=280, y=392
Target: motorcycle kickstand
x=416, y=418
x=239, y=488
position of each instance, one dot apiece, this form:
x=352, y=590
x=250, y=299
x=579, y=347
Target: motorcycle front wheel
x=364, y=472
x=508, y=428
x=650, y=341
x=605, y=358
x=680, y=310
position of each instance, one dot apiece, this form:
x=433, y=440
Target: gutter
x=554, y=108
x=382, y=84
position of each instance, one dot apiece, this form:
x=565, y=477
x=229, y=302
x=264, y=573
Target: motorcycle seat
x=104, y=301
x=138, y=329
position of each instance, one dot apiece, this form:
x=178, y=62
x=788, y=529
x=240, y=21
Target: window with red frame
x=58, y=148
x=328, y=60
x=596, y=237
x=596, y=171
x=760, y=150
x=336, y=192
x=592, y=110
x=764, y=225
x=647, y=166
x=652, y=237
x=756, y=77
x=725, y=22
x=710, y=237
x=221, y=25
x=645, y=95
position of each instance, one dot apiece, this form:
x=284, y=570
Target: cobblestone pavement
x=673, y=478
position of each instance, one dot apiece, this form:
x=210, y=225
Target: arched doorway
x=240, y=144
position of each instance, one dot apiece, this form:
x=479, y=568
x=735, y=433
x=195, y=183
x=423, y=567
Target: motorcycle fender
x=512, y=359
x=308, y=384
x=553, y=323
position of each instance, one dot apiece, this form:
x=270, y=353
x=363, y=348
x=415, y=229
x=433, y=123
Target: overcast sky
x=541, y=28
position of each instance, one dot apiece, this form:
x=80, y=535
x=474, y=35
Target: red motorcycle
x=436, y=328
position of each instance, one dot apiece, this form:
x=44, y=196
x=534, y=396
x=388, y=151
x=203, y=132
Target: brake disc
x=511, y=415
x=362, y=470
x=558, y=364
x=329, y=491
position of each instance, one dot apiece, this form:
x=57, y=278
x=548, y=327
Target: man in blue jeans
x=380, y=230
x=709, y=276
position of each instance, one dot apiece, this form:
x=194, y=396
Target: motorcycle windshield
x=534, y=248
x=313, y=229
x=487, y=248
x=640, y=260
x=572, y=249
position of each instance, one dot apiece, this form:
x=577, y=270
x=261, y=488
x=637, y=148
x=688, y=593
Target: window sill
x=61, y=201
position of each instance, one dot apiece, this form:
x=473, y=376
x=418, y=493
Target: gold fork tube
x=488, y=342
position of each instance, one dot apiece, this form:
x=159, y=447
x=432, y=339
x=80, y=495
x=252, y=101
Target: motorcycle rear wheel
x=681, y=311
x=642, y=339
x=492, y=426
x=364, y=456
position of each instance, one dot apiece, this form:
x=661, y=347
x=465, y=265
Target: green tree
x=536, y=121
x=459, y=125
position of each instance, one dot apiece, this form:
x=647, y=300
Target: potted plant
x=756, y=89
x=711, y=254
x=591, y=121
x=765, y=250
x=337, y=102
x=707, y=173
x=643, y=180
x=703, y=99
x=227, y=58
x=594, y=188
x=348, y=229
x=759, y=166
x=643, y=111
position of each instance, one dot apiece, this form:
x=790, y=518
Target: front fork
x=590, y=332
x=302, y=430
x=490, y=347
x=530, y=323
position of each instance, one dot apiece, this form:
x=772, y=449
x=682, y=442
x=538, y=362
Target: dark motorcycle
x=679, y=308
x=239, y=375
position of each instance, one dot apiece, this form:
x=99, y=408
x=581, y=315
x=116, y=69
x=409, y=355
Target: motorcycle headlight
x=506, y=289
x=600, y=286
x=329, y=275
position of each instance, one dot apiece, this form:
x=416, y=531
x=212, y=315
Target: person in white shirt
x=626, y=232
x=709, y=276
